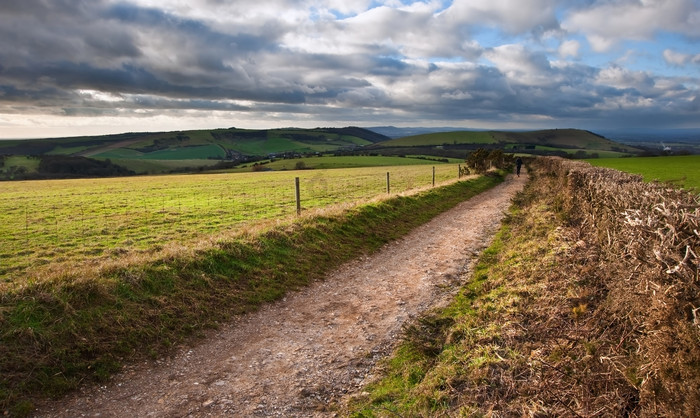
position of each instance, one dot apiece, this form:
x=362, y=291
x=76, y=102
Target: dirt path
x=297, y=356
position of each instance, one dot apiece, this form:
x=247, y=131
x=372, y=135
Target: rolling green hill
x=214, y=143
x=562, y=142
x=442, y=138
x=150, y=152
x=197, y=150
x=563, y=138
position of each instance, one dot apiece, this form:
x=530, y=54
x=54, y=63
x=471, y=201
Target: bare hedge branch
x=647, y=237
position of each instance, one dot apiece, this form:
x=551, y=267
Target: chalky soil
x=308, y=352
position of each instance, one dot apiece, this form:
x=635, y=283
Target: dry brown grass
x=636, y=249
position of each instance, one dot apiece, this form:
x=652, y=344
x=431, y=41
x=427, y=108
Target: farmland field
x=442, y=138
x=185, y=153
x=346, y=162
x=70, y=221
x=681, y=171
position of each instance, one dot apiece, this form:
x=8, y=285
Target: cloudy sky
x=70, y=67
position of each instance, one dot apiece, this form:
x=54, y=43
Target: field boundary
x=646, y=237
x=49, y=225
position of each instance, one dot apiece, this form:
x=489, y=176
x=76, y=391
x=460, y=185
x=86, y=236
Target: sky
x=86, y=67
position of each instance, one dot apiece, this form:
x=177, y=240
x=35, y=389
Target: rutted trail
x=297, y=356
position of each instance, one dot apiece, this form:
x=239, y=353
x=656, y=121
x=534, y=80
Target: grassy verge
x=56, y=334
x=448, y=358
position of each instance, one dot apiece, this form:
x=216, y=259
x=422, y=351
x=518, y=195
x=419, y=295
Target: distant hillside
x=563, y=138
x=152, y=152
x=214, y=143
x=217, y=149
x=395, y=132
x=659, y=141
x=564, y=142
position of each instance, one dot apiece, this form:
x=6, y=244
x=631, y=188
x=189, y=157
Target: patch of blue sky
x=678, y=42
x=491, y=36
x=341, y=15
x=440, y=60
x=337, y=14
x=649, y=57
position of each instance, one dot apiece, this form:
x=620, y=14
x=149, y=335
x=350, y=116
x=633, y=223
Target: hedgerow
x=643, y=241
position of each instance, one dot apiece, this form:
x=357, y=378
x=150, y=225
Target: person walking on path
x=518, y=164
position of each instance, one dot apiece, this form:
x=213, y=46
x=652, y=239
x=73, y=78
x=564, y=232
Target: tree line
x=62, y=167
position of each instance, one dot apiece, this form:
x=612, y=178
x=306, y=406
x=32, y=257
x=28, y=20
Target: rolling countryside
x=240, y=149
x=81, y=254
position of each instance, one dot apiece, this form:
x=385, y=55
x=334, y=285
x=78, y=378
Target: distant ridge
x=559, y=138
x=395, y=132
x=197, y=144
x=229, y=148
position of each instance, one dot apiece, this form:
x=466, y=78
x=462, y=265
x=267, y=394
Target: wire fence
x=44, y=221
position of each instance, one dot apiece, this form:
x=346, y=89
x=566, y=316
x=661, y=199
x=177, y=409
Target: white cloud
x=521, y=66
x=98, y=96
x=415, y=32
x=569, y=48
x=511, y=16
x=607, y=23
x=225, y=13
x=344, y=7
x=621, y=78
x=680, y=59
x=625, y=102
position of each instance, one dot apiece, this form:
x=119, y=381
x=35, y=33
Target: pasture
x=332, y=162
x=64, y=222
x=443, y=138
x=680, y=171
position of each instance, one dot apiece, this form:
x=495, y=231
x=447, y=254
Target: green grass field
x=346, y=162
x=681, y=171
x=442, y=138
x=20, y=161
x=60, y=222
x=83, y=323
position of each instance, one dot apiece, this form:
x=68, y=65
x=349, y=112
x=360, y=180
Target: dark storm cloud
x=423, y=61
x=190, y=29
x=98, y=52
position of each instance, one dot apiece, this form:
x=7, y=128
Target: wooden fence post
x=298, y=195
x=388, y=185
x=433, y=176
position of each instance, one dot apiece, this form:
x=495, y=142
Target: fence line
x=82, y=222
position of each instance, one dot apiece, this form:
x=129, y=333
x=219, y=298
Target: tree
x=496, y=159
x=478, y=160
